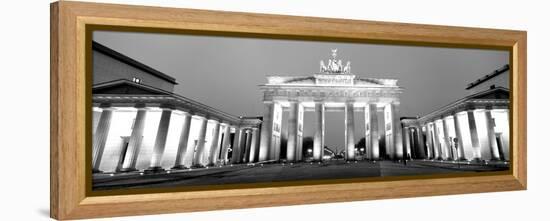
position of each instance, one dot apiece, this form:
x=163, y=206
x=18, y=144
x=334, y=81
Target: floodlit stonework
x=474, y=128
x=140, y=124
x=334, y=88
x=149, y=128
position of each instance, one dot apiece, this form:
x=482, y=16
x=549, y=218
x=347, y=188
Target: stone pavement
x=253, y=173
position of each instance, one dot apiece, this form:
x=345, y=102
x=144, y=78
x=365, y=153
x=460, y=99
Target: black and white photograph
x=182, y=110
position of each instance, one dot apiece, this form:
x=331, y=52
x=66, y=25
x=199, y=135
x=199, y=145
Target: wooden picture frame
x=70, y=90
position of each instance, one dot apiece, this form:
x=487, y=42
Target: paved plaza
x=272, y=172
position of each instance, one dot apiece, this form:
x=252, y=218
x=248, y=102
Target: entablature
x=468, y=105
x=174, y=101
x=332, y=94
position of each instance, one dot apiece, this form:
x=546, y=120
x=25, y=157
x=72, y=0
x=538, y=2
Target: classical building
x=475, y=127
x=140, y=124
x=333, y=88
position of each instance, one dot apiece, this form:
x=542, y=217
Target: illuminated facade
x=138, y=123
x=334, y=88
x=473, y=128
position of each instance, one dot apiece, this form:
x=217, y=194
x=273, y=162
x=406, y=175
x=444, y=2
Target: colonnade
x=432, y=139
x=272, y=124
x=244, y=145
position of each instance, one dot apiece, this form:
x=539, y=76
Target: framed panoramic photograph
x=159, y=110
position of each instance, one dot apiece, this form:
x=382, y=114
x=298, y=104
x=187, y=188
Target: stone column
x=292, y=132
x=236, y=153
x=319, y=137
x=134, y=143
x=368, y=151
x=254, y=145
x=184, y=138
x=226, y=142
x=473, y=135
x=214, y=143
x=373, y=124
x=182, y=144
x=160, y=141
x=100, y=137
x=217, y=152
x=396, y=131
x=199, y=150
x=407, y=143
x=267, y=130
x=458, y=134
x=447, y=149
x=429, y=142
x=300, y=133
x=189, y=153
x=438, y=151
x=506, y=138
x=243, y=145
x=245, y=151
x=388, y=126
x=421, y=143
x=248, y=146
x=96, y=114
x=491, y=135
x=382, y=136
x=350, y=132
x=276, y=134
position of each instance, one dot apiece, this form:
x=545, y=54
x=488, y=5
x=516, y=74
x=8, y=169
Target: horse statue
x=323, y=67
x=347, y=68
x=334, y=66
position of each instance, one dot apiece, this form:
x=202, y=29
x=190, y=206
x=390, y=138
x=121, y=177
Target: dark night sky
x=225, y=72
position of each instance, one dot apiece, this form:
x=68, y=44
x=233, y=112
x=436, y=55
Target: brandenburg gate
x=334, y=88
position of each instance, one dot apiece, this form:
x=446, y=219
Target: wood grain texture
x=54, y=134
x=68, y=106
